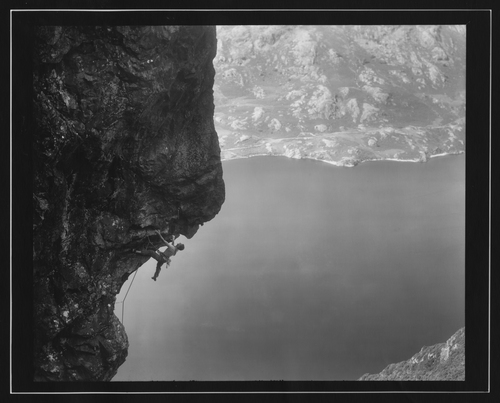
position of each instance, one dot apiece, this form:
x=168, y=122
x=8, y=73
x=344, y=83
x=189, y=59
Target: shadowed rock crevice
x=123, y=145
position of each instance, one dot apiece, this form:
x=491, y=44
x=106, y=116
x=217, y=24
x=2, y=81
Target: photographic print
x=243, y=202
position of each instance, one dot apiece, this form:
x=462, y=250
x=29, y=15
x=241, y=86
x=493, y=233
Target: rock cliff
x=123, y=144
x=440, y=362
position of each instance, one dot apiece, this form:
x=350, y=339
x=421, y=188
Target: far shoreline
x=340, y=164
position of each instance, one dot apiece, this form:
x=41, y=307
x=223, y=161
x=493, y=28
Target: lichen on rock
x=124, y=144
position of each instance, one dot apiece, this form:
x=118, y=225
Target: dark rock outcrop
x=440, y=362
x=124, y=144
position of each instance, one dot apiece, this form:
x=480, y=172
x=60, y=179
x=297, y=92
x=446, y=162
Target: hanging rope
x=149, y=243
x=133, y=278
x=124, y=298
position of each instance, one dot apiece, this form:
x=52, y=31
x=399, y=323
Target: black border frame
x=478, y=358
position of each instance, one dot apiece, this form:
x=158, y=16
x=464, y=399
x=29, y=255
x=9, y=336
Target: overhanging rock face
x=123, y=144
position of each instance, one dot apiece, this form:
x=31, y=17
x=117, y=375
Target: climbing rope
x=124, y=298
x=149, y=243
x=133, y=278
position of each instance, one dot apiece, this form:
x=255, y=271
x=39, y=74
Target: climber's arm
x=164, y=240
x=171, y=247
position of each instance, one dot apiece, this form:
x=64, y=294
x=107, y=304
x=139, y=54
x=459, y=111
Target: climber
x=162, y=257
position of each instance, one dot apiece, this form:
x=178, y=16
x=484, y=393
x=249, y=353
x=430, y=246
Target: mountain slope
x=440, y=362
x=342, y=94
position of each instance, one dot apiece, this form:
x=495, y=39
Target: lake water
x=309, y=272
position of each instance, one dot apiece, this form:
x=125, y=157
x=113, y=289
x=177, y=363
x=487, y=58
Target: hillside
x=340, y=94
x=440, y=362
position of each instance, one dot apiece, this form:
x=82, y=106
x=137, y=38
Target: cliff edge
x=123, y=144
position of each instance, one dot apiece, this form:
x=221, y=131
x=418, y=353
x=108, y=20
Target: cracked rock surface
x=123, y=145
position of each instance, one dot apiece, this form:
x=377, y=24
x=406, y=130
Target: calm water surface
x=309, y=272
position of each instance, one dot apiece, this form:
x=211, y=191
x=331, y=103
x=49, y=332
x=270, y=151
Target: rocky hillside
x=441, y=362
x=341, y=94
x=124, y=144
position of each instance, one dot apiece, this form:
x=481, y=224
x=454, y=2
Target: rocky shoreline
x=226, y=155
